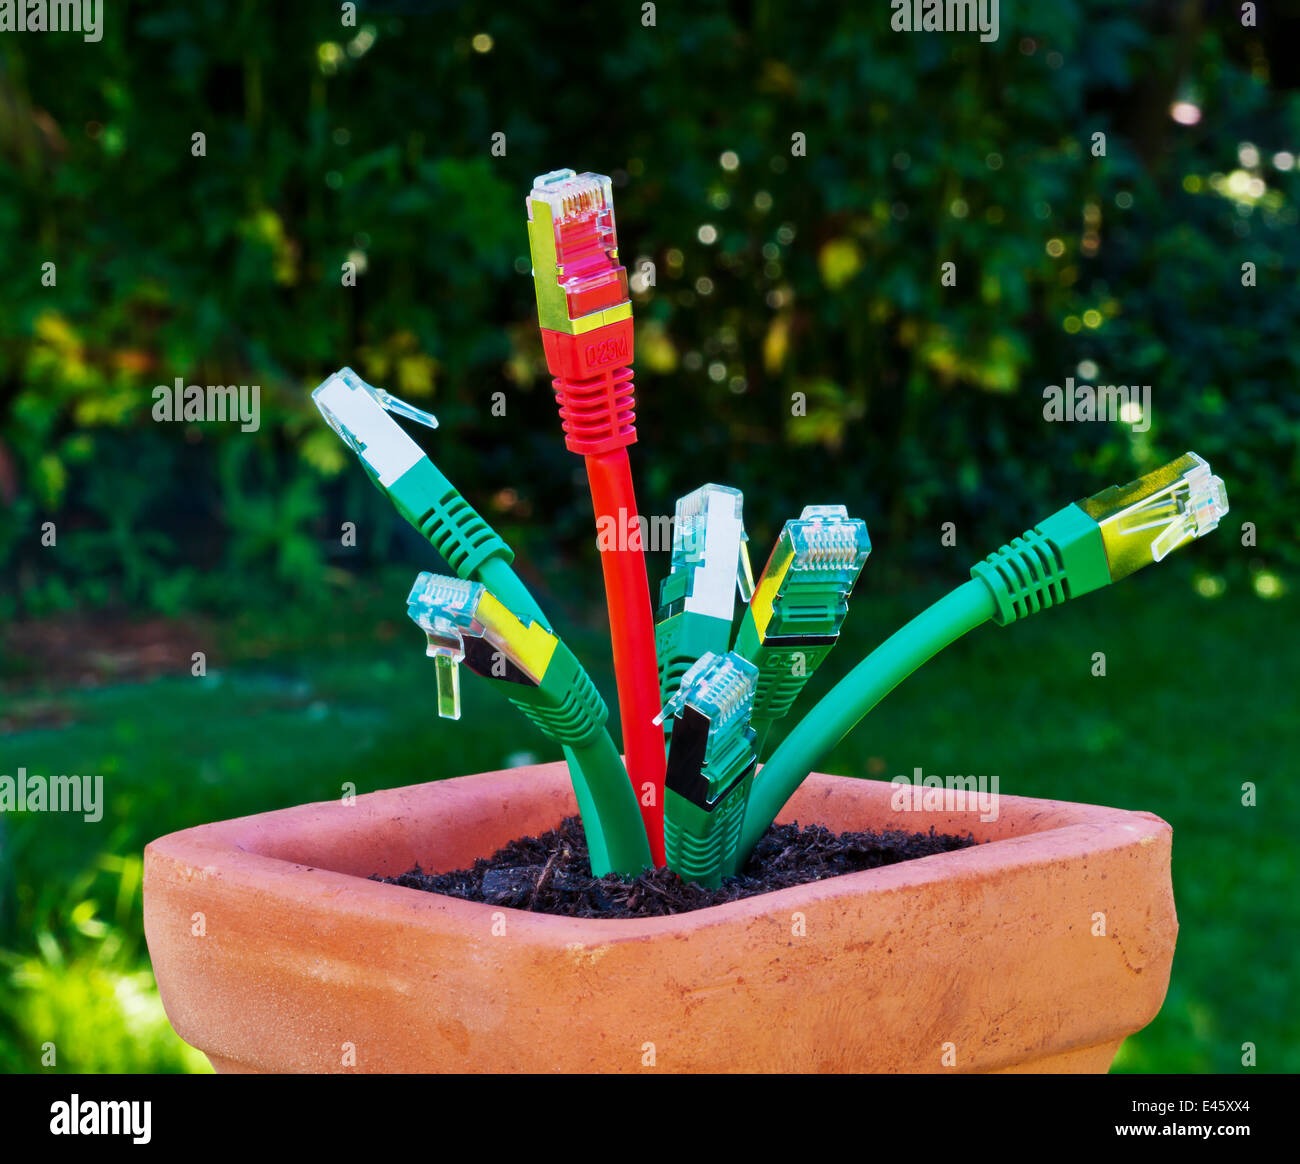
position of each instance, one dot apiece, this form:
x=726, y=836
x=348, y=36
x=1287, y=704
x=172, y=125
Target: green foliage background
x=372, y=144
x=924, y=402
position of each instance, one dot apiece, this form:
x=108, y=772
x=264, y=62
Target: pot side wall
x=979, y=960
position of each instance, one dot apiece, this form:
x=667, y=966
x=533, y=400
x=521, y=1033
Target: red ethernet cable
x=585, y=314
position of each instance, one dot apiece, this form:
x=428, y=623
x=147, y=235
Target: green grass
x=1198, y=697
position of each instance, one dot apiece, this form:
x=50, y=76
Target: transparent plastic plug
x=450, y=610
x=575, y=246
x=359, y=413
x=813, y=568
x=825, y=539
x=720, y=687
x=1182, y=500
x=446, y=609
x=710, y=542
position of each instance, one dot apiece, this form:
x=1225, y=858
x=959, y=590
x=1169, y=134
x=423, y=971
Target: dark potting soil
x=551, y=873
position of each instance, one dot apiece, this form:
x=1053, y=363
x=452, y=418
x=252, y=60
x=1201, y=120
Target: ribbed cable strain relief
x=598, y=415
x=457, y=532
x=695, y=858
x=782, y=675
x=776, y=694
x=671, y=670
x=1024, y=577
x=577, y=720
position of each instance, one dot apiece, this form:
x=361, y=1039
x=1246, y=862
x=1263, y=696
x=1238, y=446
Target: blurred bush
x=796, y=174
x=85, y=1000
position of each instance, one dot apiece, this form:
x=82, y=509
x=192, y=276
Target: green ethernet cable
x=799, y=605
x=710, y=561
x=1083, y=547
x=359, y=414
x=466, y=623
x=710, y=766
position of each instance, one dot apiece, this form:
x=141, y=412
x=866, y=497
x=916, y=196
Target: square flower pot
x=1040, y=950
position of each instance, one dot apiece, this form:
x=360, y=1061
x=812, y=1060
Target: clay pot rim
x=234, y=851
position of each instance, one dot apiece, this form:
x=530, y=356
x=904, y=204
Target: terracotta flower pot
x=273, y=951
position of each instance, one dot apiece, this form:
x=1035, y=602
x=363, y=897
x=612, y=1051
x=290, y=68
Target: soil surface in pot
x=551, y=873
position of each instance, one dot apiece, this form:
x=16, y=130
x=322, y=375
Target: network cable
x=710, y=766
x=360, y=414
x=697, y=600
x=1080, y=548
x=585, y=315
x=466, y=623
x=799, y=605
